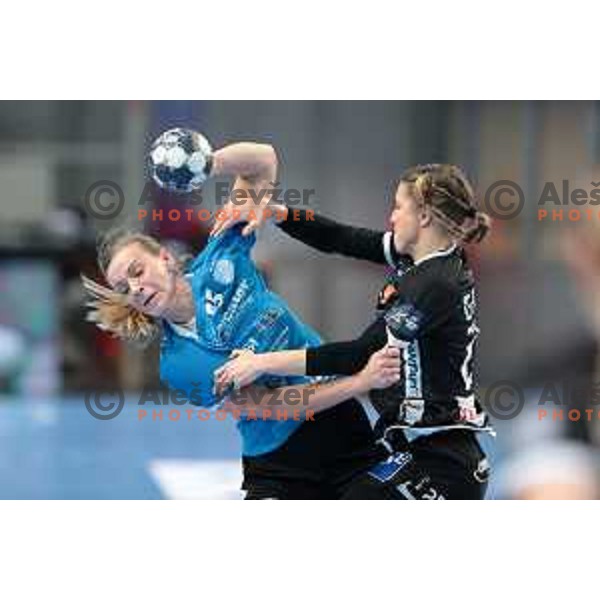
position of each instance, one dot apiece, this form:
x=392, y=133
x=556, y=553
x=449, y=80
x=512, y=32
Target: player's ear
x=425, y=216
x=163, y=255
x=166, y=259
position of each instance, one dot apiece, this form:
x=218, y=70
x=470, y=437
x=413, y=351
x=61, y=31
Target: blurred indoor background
x=538, y=279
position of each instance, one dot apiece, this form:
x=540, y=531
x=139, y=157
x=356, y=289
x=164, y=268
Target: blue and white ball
x=180, y=160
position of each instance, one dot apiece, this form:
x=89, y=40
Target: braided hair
x=447, y=192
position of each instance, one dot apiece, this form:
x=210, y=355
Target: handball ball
x=180, y=160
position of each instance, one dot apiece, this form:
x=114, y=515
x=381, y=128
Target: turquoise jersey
x=234, y=309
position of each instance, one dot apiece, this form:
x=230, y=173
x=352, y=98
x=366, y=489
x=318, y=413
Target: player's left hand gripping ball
x=180, y=160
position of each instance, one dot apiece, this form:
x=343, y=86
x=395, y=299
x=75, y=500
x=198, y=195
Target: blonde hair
x=109, y=310
x=447, y=192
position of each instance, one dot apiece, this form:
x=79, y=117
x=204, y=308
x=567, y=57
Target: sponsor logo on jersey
x=404, y=320
x=268, y=319
x=241, y=296
x=411, y=411
x=386, y=295
x=387, y=470
x=412, y=371
x=223, y=271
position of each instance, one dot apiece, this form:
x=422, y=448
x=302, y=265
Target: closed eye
x=135, y=269
x=122, y=288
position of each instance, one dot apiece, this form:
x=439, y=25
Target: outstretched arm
x=312, y=229
x=251, y=163
x=338, y=358
x=332, y=237
x=256, y=164
x=254, y=167
x=381, y=371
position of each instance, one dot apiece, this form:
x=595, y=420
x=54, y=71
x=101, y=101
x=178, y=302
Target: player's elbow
x=261, y=162
x=269, y=158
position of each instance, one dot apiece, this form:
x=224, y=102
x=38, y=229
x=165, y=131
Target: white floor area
x=180, y=479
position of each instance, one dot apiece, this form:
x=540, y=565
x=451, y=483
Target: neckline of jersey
x=435, y=254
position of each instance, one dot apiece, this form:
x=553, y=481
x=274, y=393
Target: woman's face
x=406, y=219
x=144, y=277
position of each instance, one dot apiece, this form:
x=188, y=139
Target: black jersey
x=431, y=316
x=428, y=309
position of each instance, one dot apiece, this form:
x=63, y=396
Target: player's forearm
x=309, y=397
x=346, y=358
x=322, y=396
x=285, y=362
x=247, y=160
x=327, y=235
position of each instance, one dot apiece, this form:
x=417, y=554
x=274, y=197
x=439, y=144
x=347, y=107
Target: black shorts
x=321, y=460
x=449, y=465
